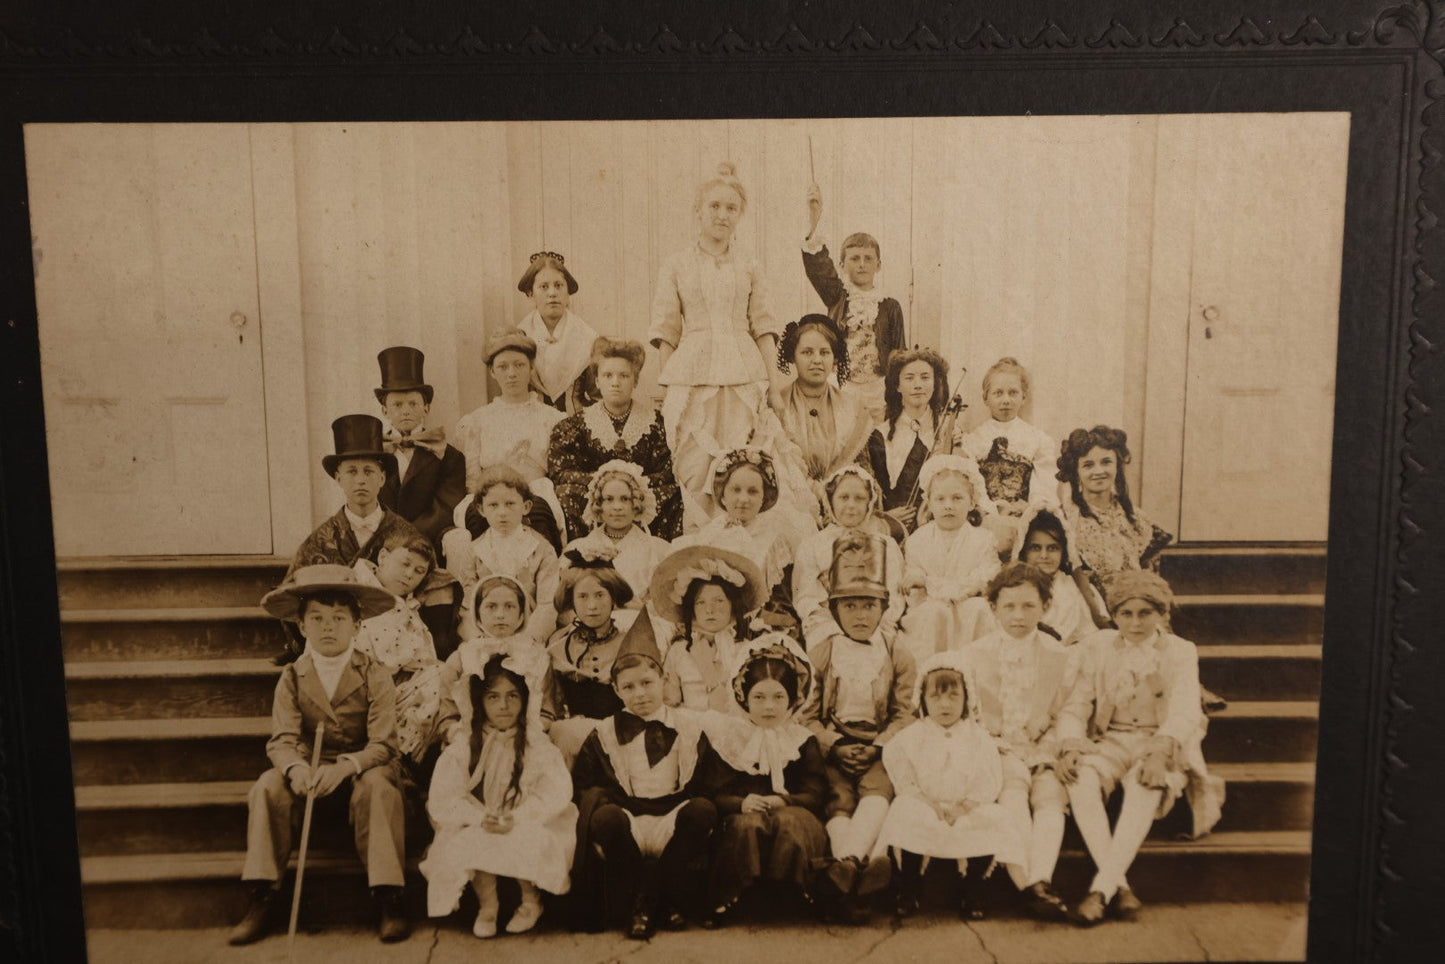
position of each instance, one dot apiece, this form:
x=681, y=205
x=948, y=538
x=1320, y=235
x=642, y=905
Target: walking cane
x=305, y=836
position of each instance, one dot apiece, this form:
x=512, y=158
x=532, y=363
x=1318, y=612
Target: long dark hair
x=735, y=599
x=478, y=687
x=1080, y=442
x=893, y=398
x=1050, y=525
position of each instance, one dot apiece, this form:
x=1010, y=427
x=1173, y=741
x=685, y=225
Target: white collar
x=371, y=522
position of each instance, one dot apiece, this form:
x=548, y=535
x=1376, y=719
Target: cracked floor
x=1199, y=932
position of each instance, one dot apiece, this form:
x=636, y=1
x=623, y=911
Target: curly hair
x=1017, y=574
x=628, y=350
x=592, y=512
x=893, y=398
x=478, y=686
x=501, y=474
x=1079, y=443
x=788, y=344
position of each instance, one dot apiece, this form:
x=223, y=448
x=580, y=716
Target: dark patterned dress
x=582, y=442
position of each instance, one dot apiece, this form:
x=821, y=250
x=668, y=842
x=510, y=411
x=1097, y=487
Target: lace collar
x=599, y=424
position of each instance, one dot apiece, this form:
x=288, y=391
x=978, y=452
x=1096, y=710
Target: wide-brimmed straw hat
x=673, y=575
x=284, y=602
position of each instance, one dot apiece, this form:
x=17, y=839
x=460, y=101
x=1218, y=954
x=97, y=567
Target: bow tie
x=657, y=738
x=434, y=442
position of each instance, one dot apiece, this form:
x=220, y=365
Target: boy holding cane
x=352, y=695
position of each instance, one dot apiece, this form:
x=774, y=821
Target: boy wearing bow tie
x=431, y=476
x=642, y=781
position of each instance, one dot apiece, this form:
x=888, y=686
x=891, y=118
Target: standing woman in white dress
x=714, y=337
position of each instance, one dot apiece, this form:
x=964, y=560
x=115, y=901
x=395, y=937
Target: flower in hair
x=705, y=569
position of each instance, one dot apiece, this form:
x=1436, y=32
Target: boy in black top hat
x=360, y=528
x=431, y=476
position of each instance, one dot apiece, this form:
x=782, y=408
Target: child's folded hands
x=497, y=822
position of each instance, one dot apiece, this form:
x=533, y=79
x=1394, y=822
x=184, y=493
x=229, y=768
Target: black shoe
x=1212, y=701
x=839, y=878
x=906, y=903
x=1090, y=910
x=855, y=911
x=640, y=928
x=673, y=920
x=254, y=925
x=874, y=875
x=1044, y=903
x=394, y=925
x=1124, y=906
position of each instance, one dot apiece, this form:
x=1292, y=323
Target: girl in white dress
x=620, y=507
x=707, y=593
x=494, y=621
x=501, y=803
x=400, y=640
x=714, y=338
x=949, y=559
x=947, y=774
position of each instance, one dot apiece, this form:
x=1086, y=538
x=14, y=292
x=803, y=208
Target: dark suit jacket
x=431, y=490
x=887, y=330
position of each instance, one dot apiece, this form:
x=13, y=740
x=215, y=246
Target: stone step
x=203, y=817
x=1281, y=672
x=205, y=632
x=1258, y=619
x=162, y=582
x=169, y=689
x=181, y=890
x=233, y=748
x=1285, y=569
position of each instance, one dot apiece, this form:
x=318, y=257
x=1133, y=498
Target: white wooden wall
x=1052, y=239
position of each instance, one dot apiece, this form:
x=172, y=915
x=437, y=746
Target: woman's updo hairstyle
x=727, y=176
x=825, y=326
x=628, y=350
x=1079, y=443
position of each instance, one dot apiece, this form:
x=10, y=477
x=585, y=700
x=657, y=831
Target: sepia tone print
x=213, y=298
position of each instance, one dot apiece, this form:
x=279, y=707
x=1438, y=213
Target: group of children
x=652, y=727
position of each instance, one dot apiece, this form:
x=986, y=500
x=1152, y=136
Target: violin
x=942, y=442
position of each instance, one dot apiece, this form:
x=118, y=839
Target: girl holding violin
x=918, y=422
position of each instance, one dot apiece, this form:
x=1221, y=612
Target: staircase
x=169, y=680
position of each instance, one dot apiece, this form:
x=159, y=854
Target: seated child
x=707, y=593
x=352, y=695
x=861, y=701
x=497, y=611
x=775, y=782
x=501, y=803
x=950, y=559
x=1075, y=609
x=509, y=546
x=855, y=504
x=1133, y=717
x=752, y=523
x=1018, y=461
x=400, y=641
x=871, y=324
x=1021, y=677
x=947, y=773
x=582, y=652
x=620, y=507
x=431, y=476
x=362, y=525
x=642, y=781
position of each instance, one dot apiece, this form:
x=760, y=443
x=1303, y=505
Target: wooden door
x=146, y=283
x=1263, y=326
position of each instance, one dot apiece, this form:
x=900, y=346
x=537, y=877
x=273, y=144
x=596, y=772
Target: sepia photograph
x=944, y=501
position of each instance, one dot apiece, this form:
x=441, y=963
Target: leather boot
x=394, y=926
x=254, y=925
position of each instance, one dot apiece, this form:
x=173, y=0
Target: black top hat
x=401, y=372
x=358, y=437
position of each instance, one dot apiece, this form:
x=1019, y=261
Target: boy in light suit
x=352, y=695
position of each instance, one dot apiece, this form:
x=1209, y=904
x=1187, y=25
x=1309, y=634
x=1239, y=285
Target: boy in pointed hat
x=431, y=476
x=361, y=528
x=643, y=781
x=352, y=694
x=864, y=697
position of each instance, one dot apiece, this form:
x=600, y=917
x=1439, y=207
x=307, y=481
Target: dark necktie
x=657, y=736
